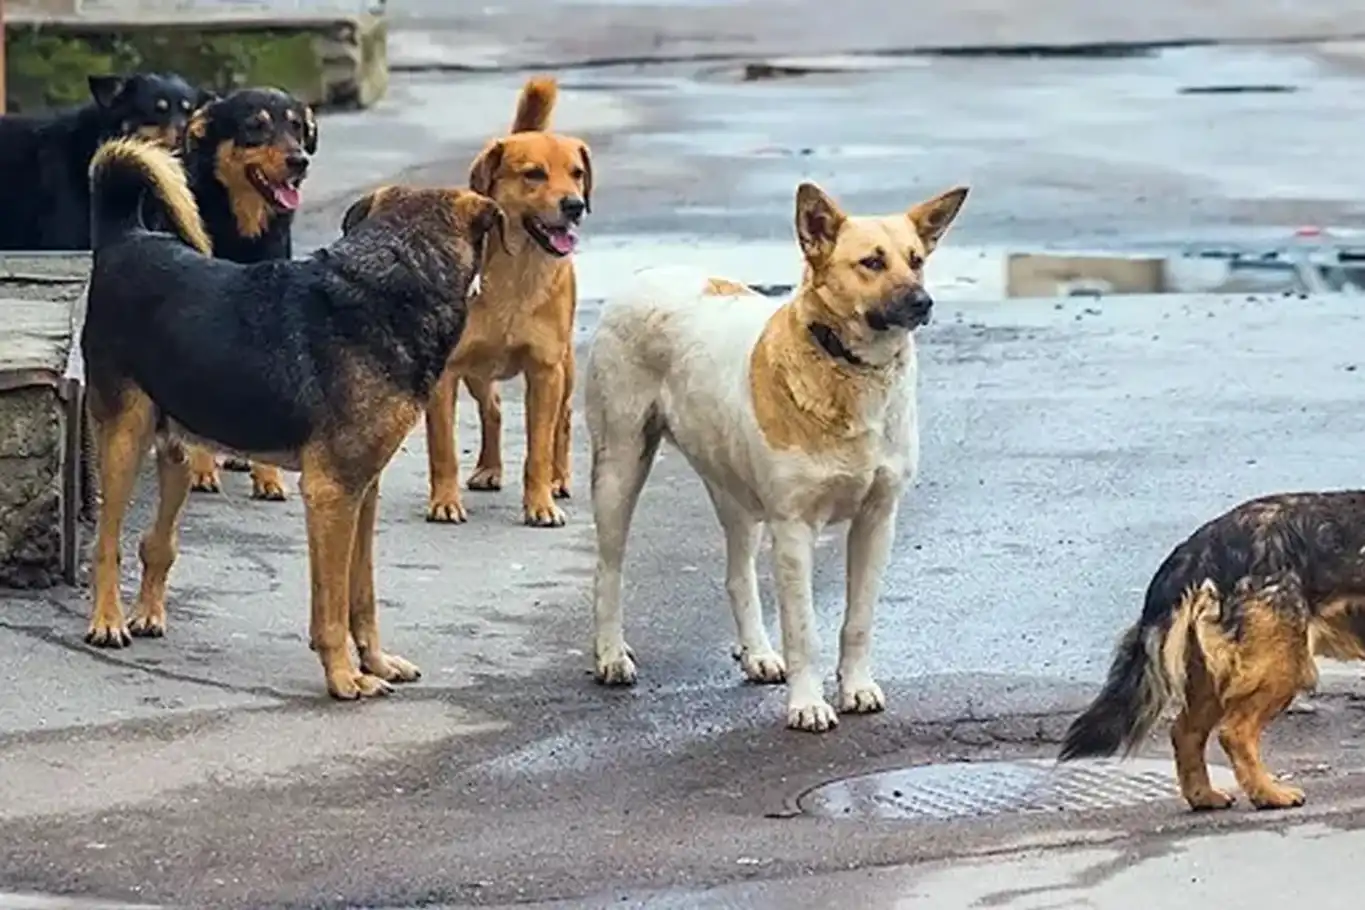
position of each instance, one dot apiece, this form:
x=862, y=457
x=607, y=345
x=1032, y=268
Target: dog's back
x=674, y=350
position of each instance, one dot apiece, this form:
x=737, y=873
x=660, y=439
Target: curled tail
x=122, y=173
x=536, y=105
x=1148, y=673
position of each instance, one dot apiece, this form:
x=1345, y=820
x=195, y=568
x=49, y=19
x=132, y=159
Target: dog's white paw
x=762, y=666
x=616, y=665
x=813, y=717
x=861, y=697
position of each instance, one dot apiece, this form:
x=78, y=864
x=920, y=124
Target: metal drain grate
x=971, y=789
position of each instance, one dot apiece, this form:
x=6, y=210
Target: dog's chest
x=834, y=485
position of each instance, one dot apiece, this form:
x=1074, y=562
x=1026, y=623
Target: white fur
x=670, y=351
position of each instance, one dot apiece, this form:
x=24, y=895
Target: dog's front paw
x=351, y=685
x=560, y=488
x=861, y=696
x=148, y=622
x=205, y=482
x=1209, y=799
x=543, y=515
x=812, y=716
x=1276, y=796
x=390, y=667
x=108, y=632
x=764, y=666
x=267, y=484
x=447, y=510
x=485, y=479
x=616, y=665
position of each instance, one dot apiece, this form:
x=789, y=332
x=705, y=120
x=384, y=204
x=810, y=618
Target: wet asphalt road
x=1067, y=445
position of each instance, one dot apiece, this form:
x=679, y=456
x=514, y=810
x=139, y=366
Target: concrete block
x=1052, y=275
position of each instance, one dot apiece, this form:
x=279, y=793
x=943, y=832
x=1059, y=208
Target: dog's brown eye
x=916, y=261
x=874, y=263
x=536, y=173
x=577, y=173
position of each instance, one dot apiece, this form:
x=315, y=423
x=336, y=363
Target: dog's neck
x=522, y=272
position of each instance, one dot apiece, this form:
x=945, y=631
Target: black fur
x=44, y=158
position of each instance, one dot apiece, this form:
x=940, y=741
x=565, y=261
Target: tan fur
x=520, y=322
x=804, y=399
x=724, y=287
x=164, y=171
x=250, y=209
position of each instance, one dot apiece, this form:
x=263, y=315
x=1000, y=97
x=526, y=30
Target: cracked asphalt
x=1067, y=445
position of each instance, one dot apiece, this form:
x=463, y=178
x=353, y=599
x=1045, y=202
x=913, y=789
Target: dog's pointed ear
x=310, y=130
x=932, y=217
x=483, y=173
x=818, y=219
x=198, y=127
x=483, y=216
x=105, y=88
x=586, y=157
x=359, y=210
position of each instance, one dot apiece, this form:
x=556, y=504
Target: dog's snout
x=572, y=207
x=919, y=301
x=297, y=162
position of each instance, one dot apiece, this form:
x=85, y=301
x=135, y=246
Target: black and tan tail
x=1147, y=675
x=536, y=105
x=122, y=174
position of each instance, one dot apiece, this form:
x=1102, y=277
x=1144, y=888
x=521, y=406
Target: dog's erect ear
x=483, y=173
x=483, y=216
x=310, y=130
x=818, y=219
x=932, y=217
x=359, y=211
x=105, y=88
x=587, y=176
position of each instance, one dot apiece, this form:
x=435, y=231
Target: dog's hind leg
x=443, y=464
x=563, y=463
x=267, y=482
x=793, y=550
x=332, y=512
x=121, y=438
x=363, y=615
x=756, y=655
x=1273, y=664
x=160, y=545
x=1190, y=738
x=623, y=453
x=488, y=471
x=869, y=547
x=204, y=471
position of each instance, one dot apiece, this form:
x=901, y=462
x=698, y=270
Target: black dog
x=246, y=156
x=44, y=158
x=323, y=365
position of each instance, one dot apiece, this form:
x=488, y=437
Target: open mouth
x=555, y=239
x=284, y=195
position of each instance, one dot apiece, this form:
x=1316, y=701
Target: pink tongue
x=287, y=197
x=564, y=242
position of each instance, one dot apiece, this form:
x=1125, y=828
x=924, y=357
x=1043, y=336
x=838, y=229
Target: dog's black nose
x=573, y=207
x=297, y=162
x=919, y=302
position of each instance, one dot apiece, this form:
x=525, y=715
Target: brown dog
x=1228, y=632
x=321, y=365
x=521, y=320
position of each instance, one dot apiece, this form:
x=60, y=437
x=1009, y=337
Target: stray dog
x=1230, y=626
x=795, y=414
x=246, y=156
x=522, y=318
x=45, y=158
x=321, y=365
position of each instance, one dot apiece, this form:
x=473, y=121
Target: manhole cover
x=968, y=789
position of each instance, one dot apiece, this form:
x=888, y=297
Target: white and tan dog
x=795, y=414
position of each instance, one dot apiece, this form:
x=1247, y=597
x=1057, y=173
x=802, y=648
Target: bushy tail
x=122, y=173
x=536, y=105
x=1148, y=673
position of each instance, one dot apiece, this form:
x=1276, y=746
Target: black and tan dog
x=1232, y=621
x=247, y=155
x=321, y=365
x=45, y=158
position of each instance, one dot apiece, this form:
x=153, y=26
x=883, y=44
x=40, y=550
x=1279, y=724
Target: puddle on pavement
x=975, y=789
